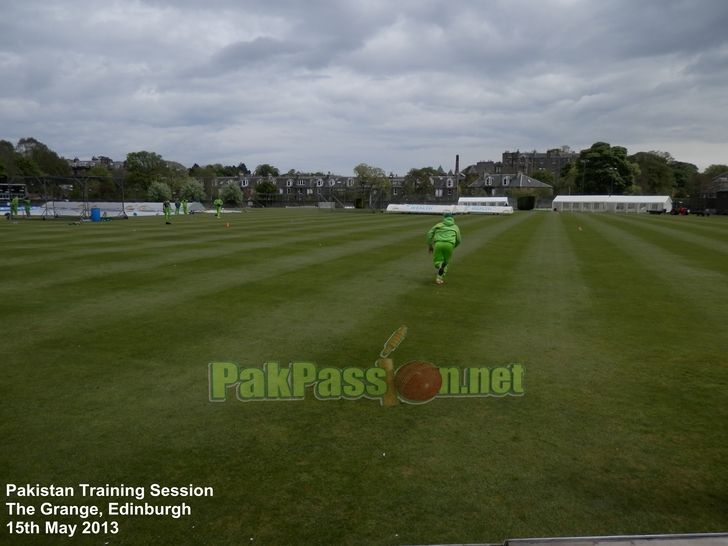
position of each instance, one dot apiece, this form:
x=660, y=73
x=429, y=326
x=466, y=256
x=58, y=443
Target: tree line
x=603, y=169
x=599, y=169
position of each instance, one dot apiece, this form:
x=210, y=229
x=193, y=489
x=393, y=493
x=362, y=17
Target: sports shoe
x=439, y=280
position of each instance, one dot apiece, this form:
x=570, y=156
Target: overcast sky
x=323, y=85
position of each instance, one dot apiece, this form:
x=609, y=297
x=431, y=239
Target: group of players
x=14, y=203
x=167, y=208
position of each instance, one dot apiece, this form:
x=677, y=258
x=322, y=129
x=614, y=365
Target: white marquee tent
x=612, y=203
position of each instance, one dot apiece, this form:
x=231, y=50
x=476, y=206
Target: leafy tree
x=655, y=176
x=7, y=158
x=542, y=175
x=143, y=168
x=568, y=178
x=371, y=181
x=686, y=179
x=469, y=178
x=49, y=162
x=206, y=176
x=224, y=170
x=202, y=173
x=192, y=190
x=26, y=146
x=101, y=184
x=159, y=191
x=175, y=176
x=266, y=170
x=714, y=170
x=25, y=166
x=418, y=182
x=605, y=169
x=229, y=170
x=266, y=190
x=232, y=194
x=144, y=162
x=266, y=186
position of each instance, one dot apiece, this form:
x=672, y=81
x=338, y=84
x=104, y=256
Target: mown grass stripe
x=78, y=246
x=711, y=243
x=712, y=225
x=142, y=255
x=697, y=281
x=665, y=366
x=143, y=292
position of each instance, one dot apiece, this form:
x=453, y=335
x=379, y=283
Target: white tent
x=110, y=209
x=426, y=209
x=613, y=203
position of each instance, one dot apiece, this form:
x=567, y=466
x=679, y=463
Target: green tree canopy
x=372, y=182
x=417, y=183
x=202, y=173
x=655, y=175
x=266, y=191
x=159, y=191
x=686, y=178
x=232, y=194
x=175, y=176
x=25, y=166
x=715, y=170
x=568, y=179
x=266, y=187
x=605, y=169
x=49, y=162
x=266, y=170
x=7, y=158
x=36, y=159
x=542, y=175
x=101, y=184
x=192, y=190
x=143, y=168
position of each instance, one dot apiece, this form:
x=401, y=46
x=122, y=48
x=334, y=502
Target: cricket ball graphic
x=418, y=381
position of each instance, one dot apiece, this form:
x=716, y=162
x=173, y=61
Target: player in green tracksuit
x=218, y=206
x=442, y=239
x=184, y=206
x=167, y=208
x=13, y=207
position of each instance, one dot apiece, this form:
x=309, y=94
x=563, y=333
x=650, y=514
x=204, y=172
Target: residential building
x=530, y=162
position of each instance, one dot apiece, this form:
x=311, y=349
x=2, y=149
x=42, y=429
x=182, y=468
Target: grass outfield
x=619, y=321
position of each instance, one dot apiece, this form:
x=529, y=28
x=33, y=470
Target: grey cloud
x=327, y=84
x=244, y=54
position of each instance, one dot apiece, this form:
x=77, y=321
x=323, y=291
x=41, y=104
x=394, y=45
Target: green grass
x=619, y=321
